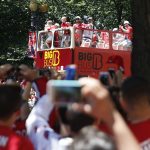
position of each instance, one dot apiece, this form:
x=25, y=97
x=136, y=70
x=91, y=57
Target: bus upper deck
x=91, y=50
x=71, y=38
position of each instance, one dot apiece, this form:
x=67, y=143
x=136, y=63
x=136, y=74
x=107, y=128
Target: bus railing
x=89, y=38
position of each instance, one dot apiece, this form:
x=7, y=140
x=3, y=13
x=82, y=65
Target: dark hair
x=78, y=120
x=91, y=138
x=75, y=119
x=10, y=100
x=134, y=88
x=45, y=72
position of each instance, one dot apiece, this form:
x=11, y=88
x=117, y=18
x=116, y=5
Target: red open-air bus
x=91, y=50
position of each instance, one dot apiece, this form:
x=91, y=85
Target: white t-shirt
x=40, y=133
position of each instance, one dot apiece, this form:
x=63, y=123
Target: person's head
x=63, y=19
x=126, y=23
x=90, y=20
x=28, y=72
x=5, y=70
x=91, y=138
x=49, y=22
x=10, y=102
x=57, y=25
x=75, y=119
x=77, y=19
x=135, y=92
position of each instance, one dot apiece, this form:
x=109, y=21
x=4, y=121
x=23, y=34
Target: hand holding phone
x=104, y=78
x=64, y=91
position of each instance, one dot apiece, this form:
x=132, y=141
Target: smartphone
x=111, y=72
x=104, y=78
x=65, y=91
x=70, y=71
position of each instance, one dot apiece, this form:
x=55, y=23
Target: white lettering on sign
x=3, y=141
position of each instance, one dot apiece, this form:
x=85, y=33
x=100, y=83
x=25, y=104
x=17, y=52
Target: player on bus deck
x=127, y=29
x=66, y=34
x=79, y=26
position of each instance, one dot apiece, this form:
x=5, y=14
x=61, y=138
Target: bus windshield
x=59, y=38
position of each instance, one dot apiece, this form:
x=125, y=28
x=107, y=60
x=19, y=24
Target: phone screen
x=66, y=91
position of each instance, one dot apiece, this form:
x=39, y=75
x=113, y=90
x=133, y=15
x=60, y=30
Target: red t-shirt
x=79, y=25
x=65, y=25
x=19, y=127
x=9, y=140
x=130, y=32
x=141, y=131
x=39, y=85
x=51, y=27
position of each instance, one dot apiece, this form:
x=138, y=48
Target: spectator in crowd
x=135, y=100
x=91, y=138
x=4, y=71
x=38, y=79
x=10, y=103
x=43, y=137
x=33, y=75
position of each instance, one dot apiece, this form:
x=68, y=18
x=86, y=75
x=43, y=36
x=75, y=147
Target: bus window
x=45, y=40
x=62, y=38
x=121, y=42
x=95, y=39
x=105, y=39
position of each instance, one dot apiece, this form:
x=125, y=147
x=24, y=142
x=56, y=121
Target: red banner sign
x=91, y=61
x=53, y=58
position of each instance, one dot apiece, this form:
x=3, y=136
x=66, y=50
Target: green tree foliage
x=108, y=13
x=15, y=20
x=14, y=24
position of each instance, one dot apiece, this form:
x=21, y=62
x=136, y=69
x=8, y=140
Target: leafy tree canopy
x=15, y=20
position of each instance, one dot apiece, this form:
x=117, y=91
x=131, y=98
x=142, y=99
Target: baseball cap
x=77, y=17
x=49, y=22
x=126, y=22
x=90, y=18
x=115, y=29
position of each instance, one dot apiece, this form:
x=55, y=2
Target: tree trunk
x=141, y=42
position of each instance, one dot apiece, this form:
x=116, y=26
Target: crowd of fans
x=110, y=115
x=86, y=35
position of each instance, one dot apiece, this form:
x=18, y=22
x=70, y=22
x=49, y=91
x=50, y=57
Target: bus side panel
x=53, y=58
x=91, y=61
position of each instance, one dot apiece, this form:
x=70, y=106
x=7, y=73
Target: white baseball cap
x=115, y=29
x=77, y=17
x=126, y=22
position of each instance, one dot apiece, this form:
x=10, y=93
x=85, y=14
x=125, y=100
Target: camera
x=65, y=91
x=111, y=72
x=104, y=78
